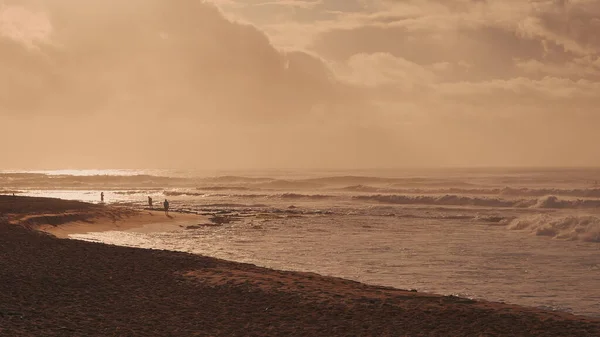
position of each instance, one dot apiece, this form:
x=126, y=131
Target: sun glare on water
x=80, y=173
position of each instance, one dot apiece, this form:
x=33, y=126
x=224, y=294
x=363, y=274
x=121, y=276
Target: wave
x=234, y=205
x=459, y=200
x=179, y=193
x=303, y=196
x=332, y=181
x=38, y=180
x=133, y=192
x=348, y=183
x=250, y=196
x=236, y=179
x=583, y=228
x=506, y=191
x=288, y=184
x=352, y=180
x=554, y=202
x=375, y=189
x=200, y=194
x=223, y=188
x=447, y=200
x=391, y=182
x=538, y=192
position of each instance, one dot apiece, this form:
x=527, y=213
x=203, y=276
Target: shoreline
x=82, y=218
x=127, y=220
x=184, y=294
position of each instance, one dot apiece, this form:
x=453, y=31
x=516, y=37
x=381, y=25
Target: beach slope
x=59, y=287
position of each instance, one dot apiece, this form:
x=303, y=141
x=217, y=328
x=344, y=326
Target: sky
x=251, y=84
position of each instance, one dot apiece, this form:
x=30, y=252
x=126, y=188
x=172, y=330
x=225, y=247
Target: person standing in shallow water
x=166, y=204
x=101, y=196
x=150, y=202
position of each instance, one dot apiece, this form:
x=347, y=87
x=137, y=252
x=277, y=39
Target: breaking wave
x=554, y=202
x=201, y=194
x=583, y=228
x=288, y=184
x=459, y=200
x=538, y=192
x=499, y=186
x=506, y=191
x=336, y=182
x=134, y=192
x=446, y=200
x=223, y=188
x=303, y=196
x=236, y=180
x=175, y=193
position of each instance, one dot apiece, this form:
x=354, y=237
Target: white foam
x=570, y=227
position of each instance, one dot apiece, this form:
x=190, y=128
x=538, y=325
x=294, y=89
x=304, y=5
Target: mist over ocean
x=523, y=236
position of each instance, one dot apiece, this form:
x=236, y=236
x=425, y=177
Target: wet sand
x=58, y=287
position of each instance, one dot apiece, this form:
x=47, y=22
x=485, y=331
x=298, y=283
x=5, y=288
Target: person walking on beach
x=101, y=196
x=150, y=202
x=166, y=204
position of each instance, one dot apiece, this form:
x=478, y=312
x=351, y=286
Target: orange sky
x=300, y=84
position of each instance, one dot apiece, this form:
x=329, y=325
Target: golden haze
x=303, y=84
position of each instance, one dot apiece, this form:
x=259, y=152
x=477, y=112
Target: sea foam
x=571, y=227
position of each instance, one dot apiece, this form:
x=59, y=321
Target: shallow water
x=449, y=257
x=529, y=238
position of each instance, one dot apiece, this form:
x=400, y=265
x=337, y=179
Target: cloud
x=150, y=82
x=287, y=3
x=152, y=57
x=541, y=93
x=488, y=35
x=486, y=55
x=385, y=69
x=572, y=25
x=582, y=67
x=24, y=26
x=340, y=83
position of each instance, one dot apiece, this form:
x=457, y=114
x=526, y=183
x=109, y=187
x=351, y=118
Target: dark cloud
x=490, y=51
x=572, y=25
x=493, y=37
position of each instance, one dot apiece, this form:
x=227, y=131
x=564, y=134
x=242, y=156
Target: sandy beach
x=51, y=286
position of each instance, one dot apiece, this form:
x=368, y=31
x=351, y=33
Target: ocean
x=523, y=236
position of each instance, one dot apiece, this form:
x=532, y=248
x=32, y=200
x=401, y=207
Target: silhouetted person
x=101, y=196
x=150, y=202
x=166, y=204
